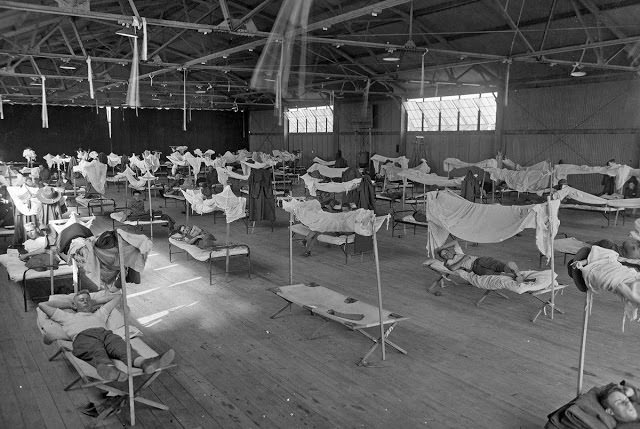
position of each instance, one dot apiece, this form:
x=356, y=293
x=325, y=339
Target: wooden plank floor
x=486, y=367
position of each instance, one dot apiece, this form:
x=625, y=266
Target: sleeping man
x=621, y=402
x=93, y=343
x=480, y=265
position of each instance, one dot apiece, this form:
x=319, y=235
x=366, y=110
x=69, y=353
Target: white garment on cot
x=74, y=323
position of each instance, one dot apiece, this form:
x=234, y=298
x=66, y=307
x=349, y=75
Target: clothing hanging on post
x=261, y=200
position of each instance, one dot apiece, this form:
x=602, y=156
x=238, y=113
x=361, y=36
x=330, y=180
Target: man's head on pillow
x=615, y=401
x=447, y=253
x=31, y=231
x=82, y=302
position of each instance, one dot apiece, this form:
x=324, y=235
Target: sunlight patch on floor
x=155, y=318
x=165, y=267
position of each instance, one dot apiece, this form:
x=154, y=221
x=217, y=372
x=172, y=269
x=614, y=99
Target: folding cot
x=87, y=374
x=122, y=218
x=91, y=204
x=541, y=286
x=350, y=244
x=352, y=313
x=604, y=210
x=404, y=218
x=224, y=251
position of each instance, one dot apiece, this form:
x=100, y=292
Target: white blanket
x=310, y=213
x=326, y=171
x=453, y=163
x=314, y=184
x=227, y=201
x=448, y=213
x=431, y=179
x=379, y=160
x=522, y=180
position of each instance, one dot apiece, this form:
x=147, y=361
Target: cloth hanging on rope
x=195, y=162
x=321, y=161
x=95, y=172
x=430, y=179
x=314, y=184
x=326, y=171
x=248, y=166
x=522, y=180
x=101, y=257
x=151, y=161
x=448, y=213
x=49, y=158
x=234, y=207
x=453, y=163
x=24, y=200
x=603, y=272
x=113, y=159
x=310, y=214
x=224, y=173
x=379, y=160
x=131, y=178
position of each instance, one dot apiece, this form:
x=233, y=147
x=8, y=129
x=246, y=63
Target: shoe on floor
x=153, y=364
x=108, y=372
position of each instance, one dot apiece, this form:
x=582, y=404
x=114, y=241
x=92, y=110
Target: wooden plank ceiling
x=216, y=45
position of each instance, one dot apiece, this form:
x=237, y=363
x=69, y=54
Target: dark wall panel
x=73, y=127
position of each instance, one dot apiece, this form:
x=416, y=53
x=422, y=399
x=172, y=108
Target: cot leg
x=249, y=261
x=274, y=315
x=376, y=343
x=56, y=354
x=483, y=297
x=210, y=268
x=73, y=383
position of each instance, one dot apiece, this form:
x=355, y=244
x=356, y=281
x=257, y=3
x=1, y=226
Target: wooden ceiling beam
x=250, y=14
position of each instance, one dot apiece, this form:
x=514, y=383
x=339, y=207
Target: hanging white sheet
x=453, y=163
x=24, y=200
x=326, y=171
x=430, y=179
x=232, y=205
x=310, y=214
x=113, y=159
x=314, y=184
x=95, y=172
x=379, y=160
x=522, y=180
x=448, y=213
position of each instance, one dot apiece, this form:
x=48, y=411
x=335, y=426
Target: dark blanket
x=584, y=412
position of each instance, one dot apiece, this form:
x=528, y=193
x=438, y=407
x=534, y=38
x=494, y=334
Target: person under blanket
x=138, y=212
x=93, y=343
x=195, y=235
x=622, y=401
x=480, y=265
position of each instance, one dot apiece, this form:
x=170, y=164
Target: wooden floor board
x=467, y=366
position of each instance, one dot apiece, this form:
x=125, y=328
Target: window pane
x=467, y=106
x=317, y=119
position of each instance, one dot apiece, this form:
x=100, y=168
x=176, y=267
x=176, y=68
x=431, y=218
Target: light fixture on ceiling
x=578, y=71
x=204, y=30
x=391, y=56
x=376, y=12
x=66, y=66
x=127, y=32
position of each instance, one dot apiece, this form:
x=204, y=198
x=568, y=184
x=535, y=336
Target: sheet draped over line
x=378, y=160
x=310, y=214
x=430, y=179
x=448, y=213
x=392, y=172
x=453, y=163
x=131, y=177
x=522, y=180
x=225, y=172
x=542, y=165
x=321, y=161
x=113, y=159
x=326, y=171
x=24, y=199
x=284, y=155
x=603, y=272
x=232, y=205
x=314, y=184
x=247, y=166
x=95, y=172
x=586, y=198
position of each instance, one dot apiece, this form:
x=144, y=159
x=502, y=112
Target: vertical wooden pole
x=226, y=270
x=583, y=344
x=150, y=209
x=375, y=253
x=290, y=248
x=125, y=313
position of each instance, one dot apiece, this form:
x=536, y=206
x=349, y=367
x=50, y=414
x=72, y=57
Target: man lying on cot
x=93, y=343
x=621, y=401
x=138, y=212
x=195, y=235
x=480, y=265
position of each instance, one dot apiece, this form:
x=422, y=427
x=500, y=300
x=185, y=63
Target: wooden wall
x=579, y=124
x=73, y=127
x=584, y=124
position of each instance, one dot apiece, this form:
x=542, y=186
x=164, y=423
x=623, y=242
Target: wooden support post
x=583, y=344
x=125, y=313
x=290, y=248
x=375, y=253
